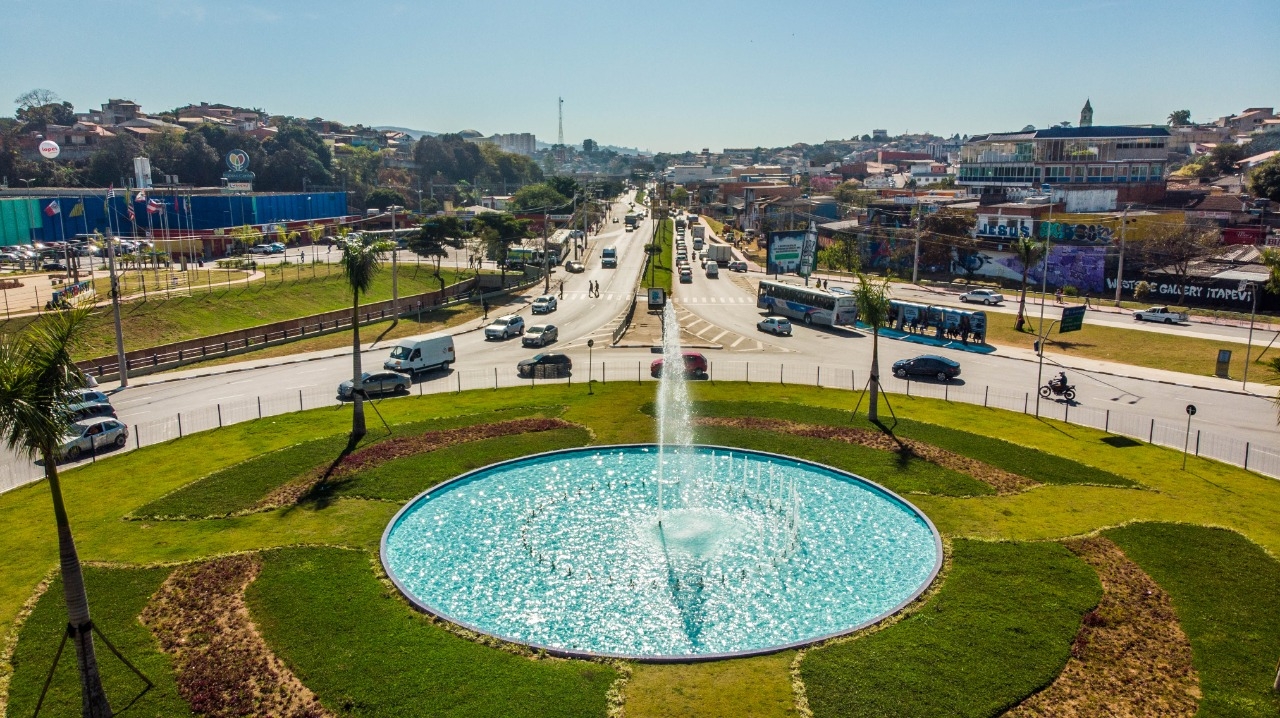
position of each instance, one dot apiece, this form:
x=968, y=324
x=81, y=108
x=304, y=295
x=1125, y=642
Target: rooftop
x=1056, y=133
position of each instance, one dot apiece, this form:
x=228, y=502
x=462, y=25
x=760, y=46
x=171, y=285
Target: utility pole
x=1124, y=222
x=115, y=307
x=915, y=260
x=395, y=251
x=546, y=257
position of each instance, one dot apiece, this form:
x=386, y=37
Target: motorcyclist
x=1060, y=382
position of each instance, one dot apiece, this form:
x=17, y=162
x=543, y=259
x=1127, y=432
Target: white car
x=778, y=326
x=982, y=296
x=545, y=304
x=505, y=327
x=91, y=435
x=540, y=335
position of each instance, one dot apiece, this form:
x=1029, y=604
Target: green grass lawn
x=663, y=262
x=373, y=655
x=240, y=487
x=159, y=321
x=1230, y=584
x=1022, y=460
x=1155, y=350
x=1225, y=590
x=639, y=197
x=908, y=476
x=117, y=596
x=1000, y=629
x=402, y=479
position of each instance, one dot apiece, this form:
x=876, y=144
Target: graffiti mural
x=1069, y=265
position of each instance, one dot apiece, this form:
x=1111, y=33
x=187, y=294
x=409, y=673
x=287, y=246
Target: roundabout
x=578, y=553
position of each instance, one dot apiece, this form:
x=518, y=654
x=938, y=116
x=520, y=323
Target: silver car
x=378, y=382
x=540, y=335
x=92, y=435
x=982, y=296
x=505, y=327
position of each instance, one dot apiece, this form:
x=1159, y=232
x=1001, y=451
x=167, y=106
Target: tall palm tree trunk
x=93, y=699
x=357, y=386
x=873, y=413
x=1022, y=300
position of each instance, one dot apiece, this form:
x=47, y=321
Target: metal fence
x=1172, y=433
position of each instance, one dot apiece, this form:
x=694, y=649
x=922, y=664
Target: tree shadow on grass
x=321, y=494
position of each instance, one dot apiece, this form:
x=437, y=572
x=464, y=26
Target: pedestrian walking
x=562, y=289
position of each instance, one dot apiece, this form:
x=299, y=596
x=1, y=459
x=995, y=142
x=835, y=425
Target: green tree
x=113, y=160
x=945, y=236
x=383, y=197
x=541, y=196
x=434, y=238
x=361, y=261
x=1171, y=248
x=566, y=186
x=680, y=196
x=1029, y=252
x=499, y=230
x=1225, y=156
x=37, y=381
x=1178, y=118
x=873, y=310
x=1264, y=181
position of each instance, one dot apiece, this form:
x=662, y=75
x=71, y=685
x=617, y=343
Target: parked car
x=982, y=296
x=276, y=248
x=737, y=266
x=260, y=249
x=53, y=267
x=91, y=435
x=505, y=327
x=545, y=304
x=545, y=365
x=82, y=395
x=695, y=365
x=540, y=335
x=840, y=290
x=575, y=267
x=379, y=382
x=686, y=275
x=940, y=368
x=779, y=326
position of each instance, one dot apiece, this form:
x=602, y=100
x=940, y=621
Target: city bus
x=807, y=304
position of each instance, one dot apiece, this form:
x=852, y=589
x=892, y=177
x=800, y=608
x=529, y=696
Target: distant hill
x=415, y=134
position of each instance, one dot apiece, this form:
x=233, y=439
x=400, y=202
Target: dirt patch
x=1004, y=482
x=1130, y=657
x=224, y=667
x=385, y=451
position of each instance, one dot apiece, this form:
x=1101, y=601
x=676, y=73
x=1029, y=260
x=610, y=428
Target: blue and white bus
x=807, y=304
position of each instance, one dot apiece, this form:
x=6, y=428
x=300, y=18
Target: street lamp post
x=590, y=367
x=1248, y=349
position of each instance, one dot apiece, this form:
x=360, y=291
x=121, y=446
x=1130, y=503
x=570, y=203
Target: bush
x=1071, y=291
x=1141, y=290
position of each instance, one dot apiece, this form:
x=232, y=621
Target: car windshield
x=536, y=330
x=401, y=353
x=539, y=357
x=501, y=323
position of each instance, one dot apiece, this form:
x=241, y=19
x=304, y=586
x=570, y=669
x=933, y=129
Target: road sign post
x=1186, y=442
x=1072, y=319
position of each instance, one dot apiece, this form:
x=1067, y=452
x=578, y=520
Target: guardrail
x=161, y=361
x=1173, y=433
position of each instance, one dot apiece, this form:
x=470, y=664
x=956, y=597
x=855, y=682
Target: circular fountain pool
x=576, y=552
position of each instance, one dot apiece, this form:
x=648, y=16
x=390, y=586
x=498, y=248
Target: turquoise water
x=754, y=551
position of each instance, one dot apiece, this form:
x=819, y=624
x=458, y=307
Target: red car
x=695, y=365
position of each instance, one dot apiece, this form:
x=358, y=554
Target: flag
x=154, y=206
x=142, y=196
x=77, y=210
x=128, y=205
x=52, y=208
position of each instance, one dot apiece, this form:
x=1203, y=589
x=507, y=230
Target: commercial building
x=1088, y=168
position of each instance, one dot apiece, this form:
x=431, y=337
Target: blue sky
x=659, y=75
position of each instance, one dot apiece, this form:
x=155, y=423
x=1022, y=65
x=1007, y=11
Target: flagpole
x=121, y=362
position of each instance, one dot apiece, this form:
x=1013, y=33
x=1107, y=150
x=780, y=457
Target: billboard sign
x=809, y=251
x=783, y=250
x=237, y=160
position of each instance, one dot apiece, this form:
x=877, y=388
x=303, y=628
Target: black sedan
x=545, y=366
x=932, y=365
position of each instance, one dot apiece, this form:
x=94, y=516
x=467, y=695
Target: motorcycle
x=1066, y=391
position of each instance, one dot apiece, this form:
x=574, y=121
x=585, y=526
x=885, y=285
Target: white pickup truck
x=1160, y=314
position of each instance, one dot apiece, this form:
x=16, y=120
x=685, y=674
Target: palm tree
x=873, y=310
x=1028, y=252
x=361, y=261
x=37, y=378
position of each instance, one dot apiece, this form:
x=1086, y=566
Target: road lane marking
x=718, y=336
x=736, y=342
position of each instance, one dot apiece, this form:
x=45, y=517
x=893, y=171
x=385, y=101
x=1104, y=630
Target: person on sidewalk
x=562, y=289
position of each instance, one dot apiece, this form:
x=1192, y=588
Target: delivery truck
x=719, y=253
x=417, y=355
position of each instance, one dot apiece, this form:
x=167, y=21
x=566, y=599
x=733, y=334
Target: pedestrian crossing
x=716, y=300
x=605, y=296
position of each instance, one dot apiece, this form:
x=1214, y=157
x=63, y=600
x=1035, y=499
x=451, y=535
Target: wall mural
x=1081, y=267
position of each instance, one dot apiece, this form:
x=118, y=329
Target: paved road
x=719, y=312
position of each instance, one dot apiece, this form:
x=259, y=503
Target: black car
x=940, y=368
x=53, y=267
x=545, y=366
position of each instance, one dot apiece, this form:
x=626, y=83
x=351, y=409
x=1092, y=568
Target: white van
x=414, y=355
